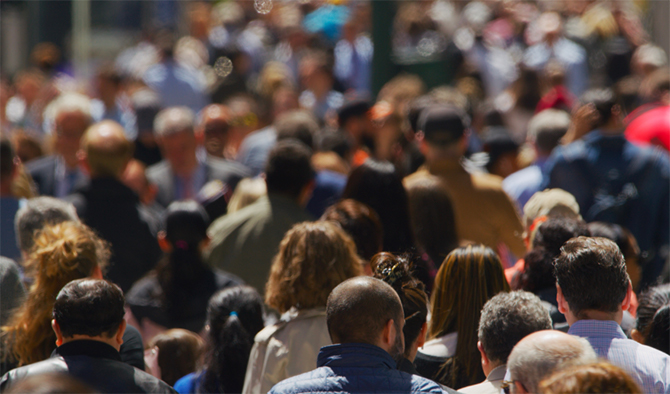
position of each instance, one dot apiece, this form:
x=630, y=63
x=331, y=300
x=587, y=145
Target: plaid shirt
x=648, y=366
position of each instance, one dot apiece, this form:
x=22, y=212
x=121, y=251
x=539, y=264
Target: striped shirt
x=648, y=366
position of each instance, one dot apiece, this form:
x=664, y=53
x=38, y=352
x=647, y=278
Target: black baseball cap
x=443, y=124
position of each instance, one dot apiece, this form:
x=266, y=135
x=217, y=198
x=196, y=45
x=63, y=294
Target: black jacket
x=43, y=172
x=95, y=363
x=113, y=210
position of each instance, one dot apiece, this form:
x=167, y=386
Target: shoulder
x=41, y=164
x=50, y=365
x=221, y=168
x=225, y=279
x=186, y=384
x=150, y=384
x=321, y=379
x=159, y=169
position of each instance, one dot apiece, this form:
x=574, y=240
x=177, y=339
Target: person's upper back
x=355, y=368
x=94, y=363
x=484, y=213
x=648, y=366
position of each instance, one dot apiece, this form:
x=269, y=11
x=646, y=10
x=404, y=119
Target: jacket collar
x=354, y=355
x=85, y=347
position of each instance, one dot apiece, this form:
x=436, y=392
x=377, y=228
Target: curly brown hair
x=600, y=377
x=61, y=253
x=313, y=258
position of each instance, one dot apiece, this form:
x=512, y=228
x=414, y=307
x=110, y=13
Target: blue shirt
x=648, y=366
x=569, y=54
x=521, y=185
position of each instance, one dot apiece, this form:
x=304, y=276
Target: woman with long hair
x=468, y=277
x=313, y=258
x=61, y=253
x=234, y=316
x=175, y=294
x=377, y=184
x=397, y=272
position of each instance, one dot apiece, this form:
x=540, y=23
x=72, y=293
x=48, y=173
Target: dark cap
x=443, y=125
x=352, y=108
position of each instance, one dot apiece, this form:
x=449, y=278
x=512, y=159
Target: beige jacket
x=286, y=349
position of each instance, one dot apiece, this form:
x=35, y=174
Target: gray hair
x=532, y=361
x=37, y=213
x=67, y=102
x=547, y=128
x=174, y=120
x=506, y=319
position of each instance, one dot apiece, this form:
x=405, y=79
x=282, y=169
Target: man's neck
x=109, y=341
x=595, y=315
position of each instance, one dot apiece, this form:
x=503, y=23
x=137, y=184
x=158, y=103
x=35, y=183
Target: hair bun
x=392, y=269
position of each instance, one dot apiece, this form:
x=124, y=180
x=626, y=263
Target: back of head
x=69, y=102
x=185, y=224
x=359, y=308
x=90, y=307
x=107, y=149
x=179, y=353
x=468, y=277
x=550, y=203
x=174, y=120
x=432, y=217
x=506, y=319
x=360, y=222
x=396, y=271
x=547, y=128
x=541, y=353
x=603, y=100
x=600, y=377
x=556, y=231
x=299, y=124
x=234, y=316
x=146, y=104
x=377, y=184
x=313, y=258
x=288, y=169
x=443, y=125
x=591, y=273
x=653, y=317
x=37, y=213
x=61, y=253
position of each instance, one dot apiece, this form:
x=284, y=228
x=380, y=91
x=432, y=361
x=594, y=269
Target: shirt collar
x=497, y=373
x=87, y=347
x=596, y=328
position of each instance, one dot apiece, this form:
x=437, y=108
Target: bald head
x=541, y=353
x=359, y=308
x=107, y=149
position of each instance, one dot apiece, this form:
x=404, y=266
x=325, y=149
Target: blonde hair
x=108, y=159
x=313, y=258
x=61, y=253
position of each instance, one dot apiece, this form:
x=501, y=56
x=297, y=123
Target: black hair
x=653, y=317
x=556, y=231
x=92, y=307
x=377, y=184
x=604, y=100
x=397, y=272
x=234, y=316
x=183, y=268
x=591, y=272
x=6, y=158
x=288, y=169
x=300, y=125
x=361, y=223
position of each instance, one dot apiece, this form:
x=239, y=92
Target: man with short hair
x=505, y=320
x=593, y=292
x=182, y=173
x=57, y=175
x=244, y=242
x=484, y=213
x=541, y=353
x=365, y=321
x=615, y=181
x=111, y=208
x=89, y=326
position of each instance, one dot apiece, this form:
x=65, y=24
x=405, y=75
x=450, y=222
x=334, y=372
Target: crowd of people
x=233, y=210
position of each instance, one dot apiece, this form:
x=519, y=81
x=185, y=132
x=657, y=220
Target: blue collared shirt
x=648, y=366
